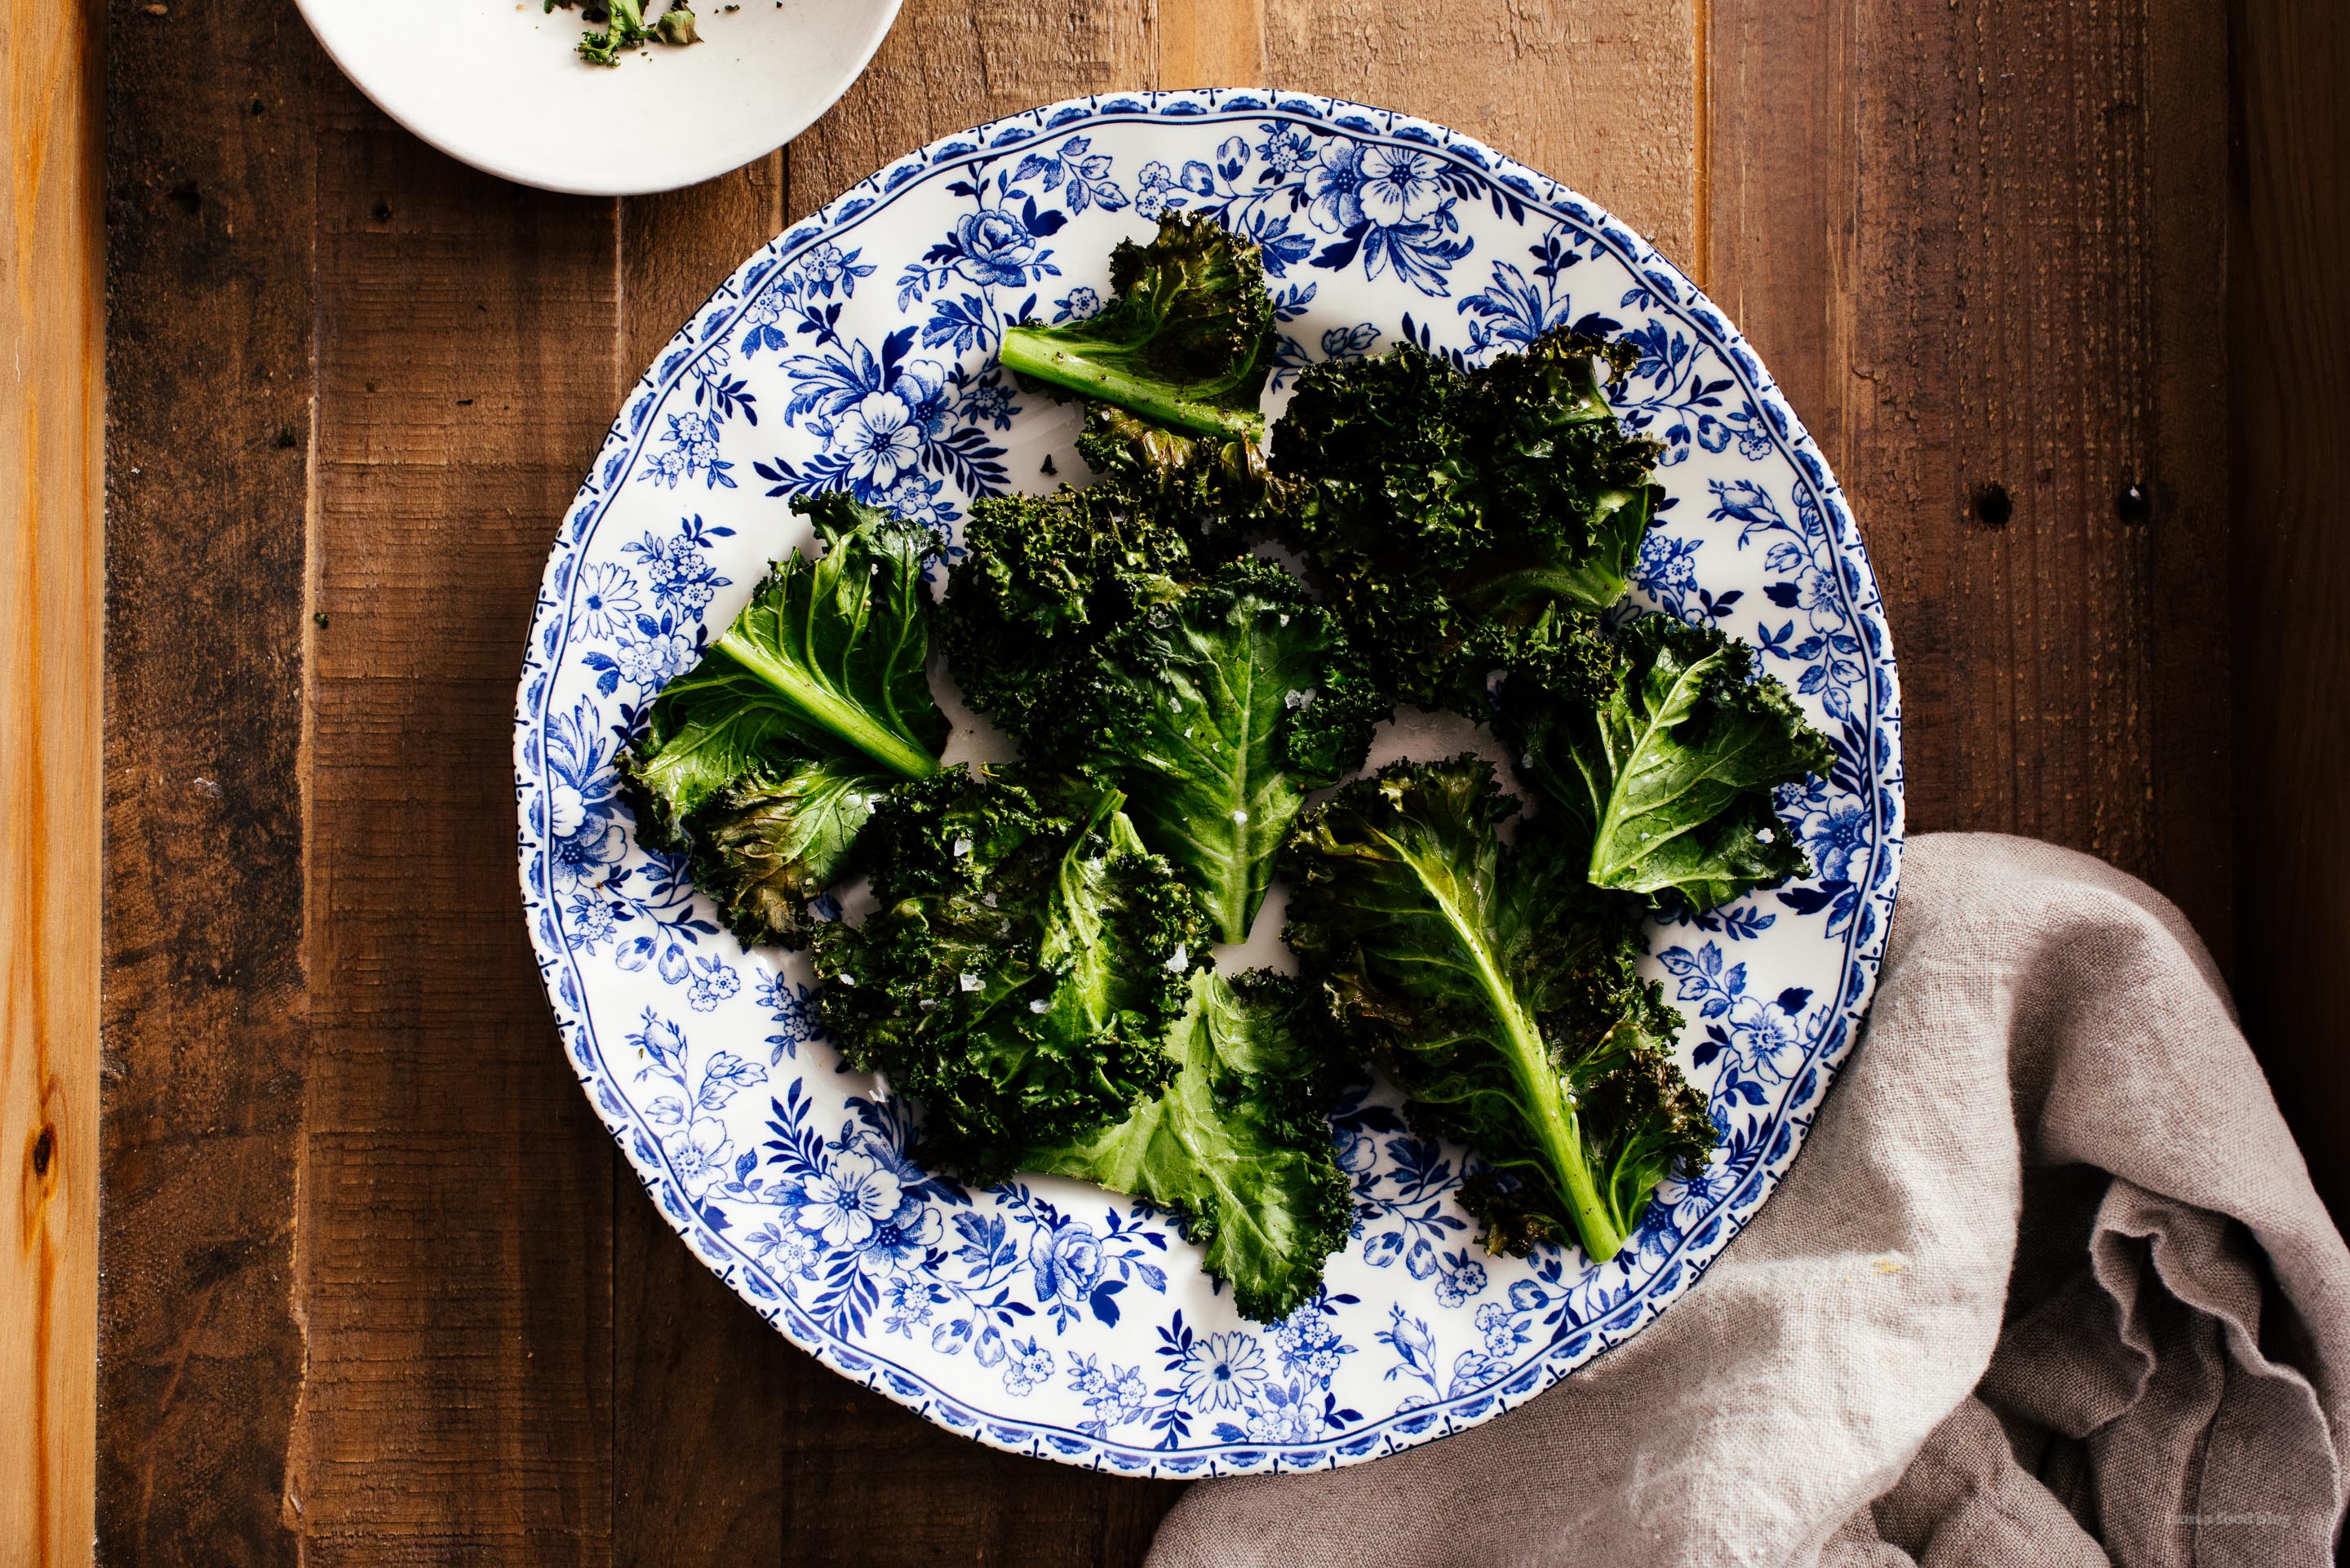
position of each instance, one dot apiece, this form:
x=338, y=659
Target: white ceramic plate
x=500, y=85
x=856, y=351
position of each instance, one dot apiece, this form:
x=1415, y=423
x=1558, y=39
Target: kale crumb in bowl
x=624, y=26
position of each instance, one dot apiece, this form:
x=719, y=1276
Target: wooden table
x=376, y=1288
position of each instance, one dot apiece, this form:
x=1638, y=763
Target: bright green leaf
x=1186, y=341
x=1236, y=1144
x=1498, y=991
x=1667, y=777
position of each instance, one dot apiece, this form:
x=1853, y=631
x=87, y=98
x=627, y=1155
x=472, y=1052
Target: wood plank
x=1780, y=168
x=2289, y=341
x=209, y=187
x=52, y=553
x=2186, y=504
x=697, y=1376
x=455, y=1217
x=1209, y=43
x=1979, y=245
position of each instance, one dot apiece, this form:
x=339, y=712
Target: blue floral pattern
x=858, y=352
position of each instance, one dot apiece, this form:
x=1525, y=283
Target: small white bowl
x=500, y=85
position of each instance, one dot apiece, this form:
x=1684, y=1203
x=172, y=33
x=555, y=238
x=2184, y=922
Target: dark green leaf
x=1498, y=991
x=1667, y=777
x=766, y=850
x=1043, y=579
x=1204, y=483
x=1236, y=1144
x=1449, y=513
x=1188, y=341
x=1021, y=968
x=1217, y=712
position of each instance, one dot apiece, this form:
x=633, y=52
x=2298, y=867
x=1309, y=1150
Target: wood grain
x=2289, y=341
x=453, y=1228
x=1209, y=43
x=208, y=211
x=356, y=383
x=51, y=557
x=1979, y=245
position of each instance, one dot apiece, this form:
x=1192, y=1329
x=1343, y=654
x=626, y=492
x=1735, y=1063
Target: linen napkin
x=2048, y=1287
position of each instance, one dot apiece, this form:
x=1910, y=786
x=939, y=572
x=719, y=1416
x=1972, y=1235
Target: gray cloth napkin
x=2048, y=1287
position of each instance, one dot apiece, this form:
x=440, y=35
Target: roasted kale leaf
x=1666, y=772
x=1237, y=1144
x=1449, y=513
x=762, y=761
x=1206, y=484
x=1216, y=712
x=1022, y=966
x=1188, y=341
x=1043, y=579
x=767, y=846
x=1497, y=989
x=1113, y=637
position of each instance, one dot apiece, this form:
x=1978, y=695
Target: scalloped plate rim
x=1862, y=953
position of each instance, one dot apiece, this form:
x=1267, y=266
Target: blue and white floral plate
x=859, y=351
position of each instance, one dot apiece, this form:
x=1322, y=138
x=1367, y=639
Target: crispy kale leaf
x=1188, y=341
x=1497, y=989
x=625, y=27
x=1106, y=637
x=1666, y=772
x=1450, y=513
x=1216, y=712
x=768, y=845
x=1203, y=484
x=1237, y=1144
x=1046, y=577
x=762, y=761
x=1024, y=963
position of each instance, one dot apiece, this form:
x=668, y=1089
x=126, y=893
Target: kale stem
x=1032, y=354
x=826, y=707
x=1554, y=1121
x=1548, y=1108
